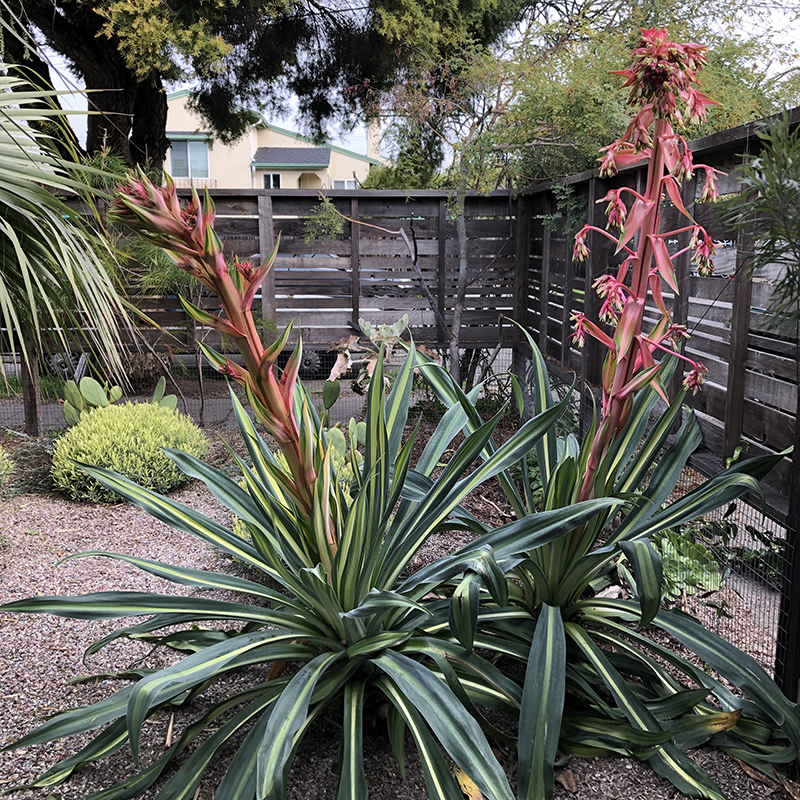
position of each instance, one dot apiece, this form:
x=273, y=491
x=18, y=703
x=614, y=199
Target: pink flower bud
x=703, y=252
x=613, y=291
x=246, y=269
x=578, y=335
x=684, y=167
x=697, y=105
x=709, y=193
x=232, y=371
x=581, y=252
x=694, y=380
x=608, y=164
x=677, y=333
x=615, y=210
x=641, y=134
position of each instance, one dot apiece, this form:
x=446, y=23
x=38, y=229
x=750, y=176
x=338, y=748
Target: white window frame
x=271, y=176
x=341, y=183
x=187, y=142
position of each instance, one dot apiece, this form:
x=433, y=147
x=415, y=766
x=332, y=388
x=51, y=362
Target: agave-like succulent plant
x=597, y=680
x=338, y=615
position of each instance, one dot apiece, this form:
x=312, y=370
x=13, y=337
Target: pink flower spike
x=660, y=69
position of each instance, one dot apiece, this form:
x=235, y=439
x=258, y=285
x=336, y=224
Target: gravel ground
x=39, y=655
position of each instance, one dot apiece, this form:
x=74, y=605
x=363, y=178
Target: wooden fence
x=366, y=271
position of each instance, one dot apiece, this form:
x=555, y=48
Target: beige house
x=268, y=157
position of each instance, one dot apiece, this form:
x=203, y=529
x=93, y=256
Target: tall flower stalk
x=188, y=237
x=662, y=81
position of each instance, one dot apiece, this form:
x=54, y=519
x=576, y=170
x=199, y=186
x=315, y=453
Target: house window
x=188, y=159
x=349, y=184
x=272, y=180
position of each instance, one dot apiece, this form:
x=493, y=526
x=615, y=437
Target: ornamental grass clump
x=357, y=643
x=596, y=680
x=127, y=439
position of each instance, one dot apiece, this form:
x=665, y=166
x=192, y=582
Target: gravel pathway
x=40, y=654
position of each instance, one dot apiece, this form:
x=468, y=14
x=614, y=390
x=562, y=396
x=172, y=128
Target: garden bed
x=41, y=654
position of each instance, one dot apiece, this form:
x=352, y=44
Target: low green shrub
x=126, y=439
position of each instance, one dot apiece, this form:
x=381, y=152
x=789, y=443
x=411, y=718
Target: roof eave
x=259, y=165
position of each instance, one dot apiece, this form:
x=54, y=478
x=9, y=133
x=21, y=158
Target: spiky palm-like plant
x=52, y=281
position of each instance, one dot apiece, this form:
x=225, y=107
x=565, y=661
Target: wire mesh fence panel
x=728, y=568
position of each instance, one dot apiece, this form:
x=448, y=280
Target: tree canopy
x=544, y=105
x=247, y=53
x=572, y=104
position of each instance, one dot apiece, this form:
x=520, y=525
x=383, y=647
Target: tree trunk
x=31, y=395
x=131, y=113
x=109, y=128
x=148, y=140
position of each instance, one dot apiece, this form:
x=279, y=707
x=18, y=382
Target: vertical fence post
x=31, y=393
x=355, y=259
x=787, y=654
x=596, y=265
x=740, y=332
x=569, y=281
x=266, y=241
x=547, y=208
x=442, y=276
x=523, y=260
x=737, y=359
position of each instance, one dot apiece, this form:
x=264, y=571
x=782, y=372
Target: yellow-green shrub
x=6, y=465
x=126, y=439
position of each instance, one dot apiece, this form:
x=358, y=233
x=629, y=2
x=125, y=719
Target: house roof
x=294, y=134
x=310, y=157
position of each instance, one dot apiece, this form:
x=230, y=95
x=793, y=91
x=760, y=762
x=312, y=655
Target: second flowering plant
x=580, y=606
